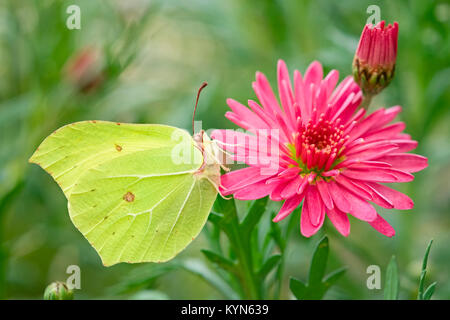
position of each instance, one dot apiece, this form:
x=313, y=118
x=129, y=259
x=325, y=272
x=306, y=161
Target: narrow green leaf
x=271, y=263
x=425, y=258
x=215, y=217
x=334, y=276
x=319, y=262
x=421, y=284
x=227, y=208
x=392, y=282
x=420, y=295
x=429, y=292
x=223, y=206
x=254, y=214
x=220, y=260
x=298, y=288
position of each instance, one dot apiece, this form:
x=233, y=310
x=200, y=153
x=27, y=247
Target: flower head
x=316, y=148
x=374, y=62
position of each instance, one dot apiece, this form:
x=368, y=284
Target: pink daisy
x=325, y=152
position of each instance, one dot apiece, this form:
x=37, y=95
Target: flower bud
x=58, y=291
x=374, y=62
x=85, y=70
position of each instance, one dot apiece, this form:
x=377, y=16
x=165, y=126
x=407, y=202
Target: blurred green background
x=143, y=61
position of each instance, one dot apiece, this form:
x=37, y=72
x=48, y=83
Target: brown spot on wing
x=118, y=148
x=129, y=197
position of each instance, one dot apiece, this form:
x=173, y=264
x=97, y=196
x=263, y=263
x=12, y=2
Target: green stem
x=366, y=101
x=241, y=247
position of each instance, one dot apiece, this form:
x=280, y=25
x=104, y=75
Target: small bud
x=58, y=291
x=374, y=62
x=85, y=70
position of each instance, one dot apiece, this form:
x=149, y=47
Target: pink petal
x=285, y=91
x=339, y=197
x=355, y=188
x=315, y=205
x=404, y=145
x=373, y=153
x=265, y=94
x=388, y=132
x=245, y=113
x=288, y=206
x=255, y=191
x=377, y=198
x=306, y=227
x=330, y=81
x=385, y=175
x=314, y=74
x=405, y=161
x=360, y=208
x=339, y=220
x=398, y=199
x=389, y=115
x=366, y=124
x=275, y=195
x=233, y=117
x=325, y=194
x=299, y=88
x=363, y=146
x=235, y=180
x=382, y=226
x=292, y=187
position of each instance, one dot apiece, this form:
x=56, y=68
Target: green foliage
x=249, y=261
x=428, y=293
x=318, y=284
x=392, y=282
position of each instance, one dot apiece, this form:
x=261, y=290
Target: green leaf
x=215, y=217
x=319, y=262
x=421, y=284
x=226, y=208
x=425, y=258
x=429, y=292
x=298, y=288
x=220, y=260
x=420, y=295
x=392, y=283
x=334, y=276
x=254, y=214
x=271, y=263
x=316, y=287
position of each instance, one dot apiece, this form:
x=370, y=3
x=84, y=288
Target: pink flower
x=374, y=62
x=321, y=151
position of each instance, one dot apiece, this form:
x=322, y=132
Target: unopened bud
x=374, y=62
x=58, y=291
x=85, y=70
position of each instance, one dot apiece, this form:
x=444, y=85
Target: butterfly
x=137, y=192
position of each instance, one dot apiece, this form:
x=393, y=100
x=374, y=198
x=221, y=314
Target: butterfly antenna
x=204, y=84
